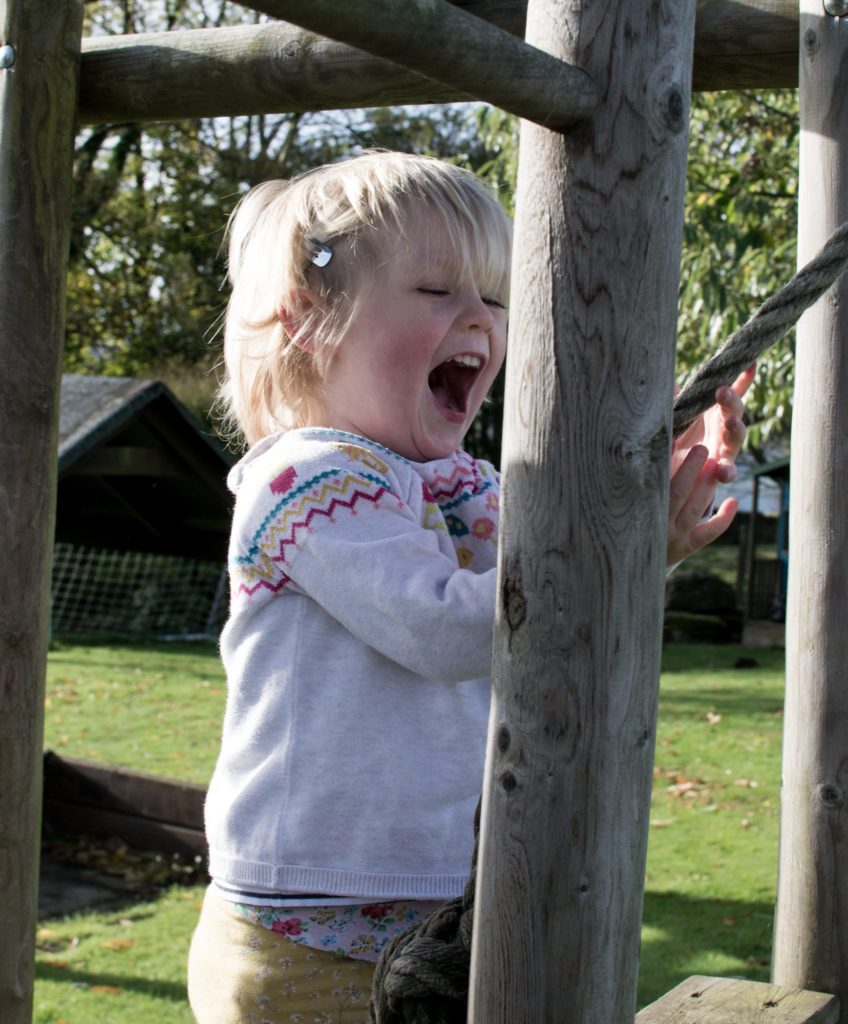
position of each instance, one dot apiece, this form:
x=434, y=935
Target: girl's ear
x=292, y=313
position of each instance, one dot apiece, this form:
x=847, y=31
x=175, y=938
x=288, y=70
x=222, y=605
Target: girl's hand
x=701, y=458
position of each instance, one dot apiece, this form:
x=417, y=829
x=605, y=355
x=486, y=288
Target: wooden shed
x=143, y=512
x=138, y=471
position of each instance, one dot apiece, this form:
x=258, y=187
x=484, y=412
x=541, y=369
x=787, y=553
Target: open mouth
x=452, y=380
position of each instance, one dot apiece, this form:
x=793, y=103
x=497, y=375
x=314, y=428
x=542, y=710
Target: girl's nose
x=476, y=314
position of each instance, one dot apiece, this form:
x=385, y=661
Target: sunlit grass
x=156, y=708
x=121, y=967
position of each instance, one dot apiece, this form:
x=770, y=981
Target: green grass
x=119, y=967
x=712, y=847
x=712, y=851
x=153, y=707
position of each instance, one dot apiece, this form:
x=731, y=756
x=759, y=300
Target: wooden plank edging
x=148, y=812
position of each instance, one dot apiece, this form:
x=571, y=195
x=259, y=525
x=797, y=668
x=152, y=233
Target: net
x=132, y=593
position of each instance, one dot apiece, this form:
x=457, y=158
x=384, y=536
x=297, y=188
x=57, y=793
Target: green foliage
x=146, y=274
x=739, y=232
x=739, y=236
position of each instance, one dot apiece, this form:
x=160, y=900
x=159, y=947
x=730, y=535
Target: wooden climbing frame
x=585, y=462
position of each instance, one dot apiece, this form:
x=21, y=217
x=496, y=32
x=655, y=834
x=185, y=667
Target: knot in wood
x=515, y=607
x=674, y=109
x=830, y=795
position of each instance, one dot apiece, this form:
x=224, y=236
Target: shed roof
x=138, y=472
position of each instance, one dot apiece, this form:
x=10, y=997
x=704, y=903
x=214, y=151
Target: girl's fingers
x=685, y=478
x=712, y=528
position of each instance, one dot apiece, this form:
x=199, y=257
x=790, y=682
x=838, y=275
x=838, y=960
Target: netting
x=132, y=593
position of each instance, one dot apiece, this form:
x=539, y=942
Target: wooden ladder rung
x=705, y=1000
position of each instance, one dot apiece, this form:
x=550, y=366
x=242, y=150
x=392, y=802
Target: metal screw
x=836, y=8
x=7, y=56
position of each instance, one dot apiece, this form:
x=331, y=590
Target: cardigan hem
x=293, y=879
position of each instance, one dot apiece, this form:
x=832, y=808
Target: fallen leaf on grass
x=729, y=921
x=713, y=718
x=106, y=990
x=118, y=944
x=55, y=963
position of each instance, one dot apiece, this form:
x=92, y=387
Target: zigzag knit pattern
x=329, y=481
x=322, y=495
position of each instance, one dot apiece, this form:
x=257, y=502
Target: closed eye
x=496, y=303
x=433, y=291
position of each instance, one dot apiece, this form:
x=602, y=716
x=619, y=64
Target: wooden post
x=39, y=62
x=811, y=924
x=584, y=520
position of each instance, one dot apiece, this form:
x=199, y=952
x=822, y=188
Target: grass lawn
x=712, y=852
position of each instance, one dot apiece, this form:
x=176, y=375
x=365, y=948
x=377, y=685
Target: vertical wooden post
x=811, y=924
x=39, y=62
x=584, y=519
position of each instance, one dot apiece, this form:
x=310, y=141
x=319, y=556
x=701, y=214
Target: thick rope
x=422, y=974
x=777, y=315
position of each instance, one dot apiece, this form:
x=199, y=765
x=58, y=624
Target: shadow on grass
x=686, y=935
x=105, y=980
x=718, y=658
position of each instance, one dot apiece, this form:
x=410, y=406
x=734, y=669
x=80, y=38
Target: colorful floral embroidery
x=359, y=931
x=456, y=527
x=483, y=528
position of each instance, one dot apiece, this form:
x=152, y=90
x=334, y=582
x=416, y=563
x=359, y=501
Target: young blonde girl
x=366, y=323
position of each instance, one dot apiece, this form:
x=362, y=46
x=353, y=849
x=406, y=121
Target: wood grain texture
x=38, y=98
x=450, y=46
x=276, y=68
x=704, y=1000
x=583, y=527
x=811, y=931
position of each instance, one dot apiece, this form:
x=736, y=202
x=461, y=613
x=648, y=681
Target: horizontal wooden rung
x=455, y=48
x=705, y=1000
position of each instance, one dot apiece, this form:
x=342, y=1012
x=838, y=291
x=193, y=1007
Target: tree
x=739, y=231
x=146, y=271
x=739, y=240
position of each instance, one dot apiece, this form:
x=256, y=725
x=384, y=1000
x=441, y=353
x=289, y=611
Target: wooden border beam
x=278, y=68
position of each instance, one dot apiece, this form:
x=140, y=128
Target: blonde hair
x=363, y=208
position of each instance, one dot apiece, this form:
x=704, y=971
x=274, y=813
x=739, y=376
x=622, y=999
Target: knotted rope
x=769, y=323
x=422, y=974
